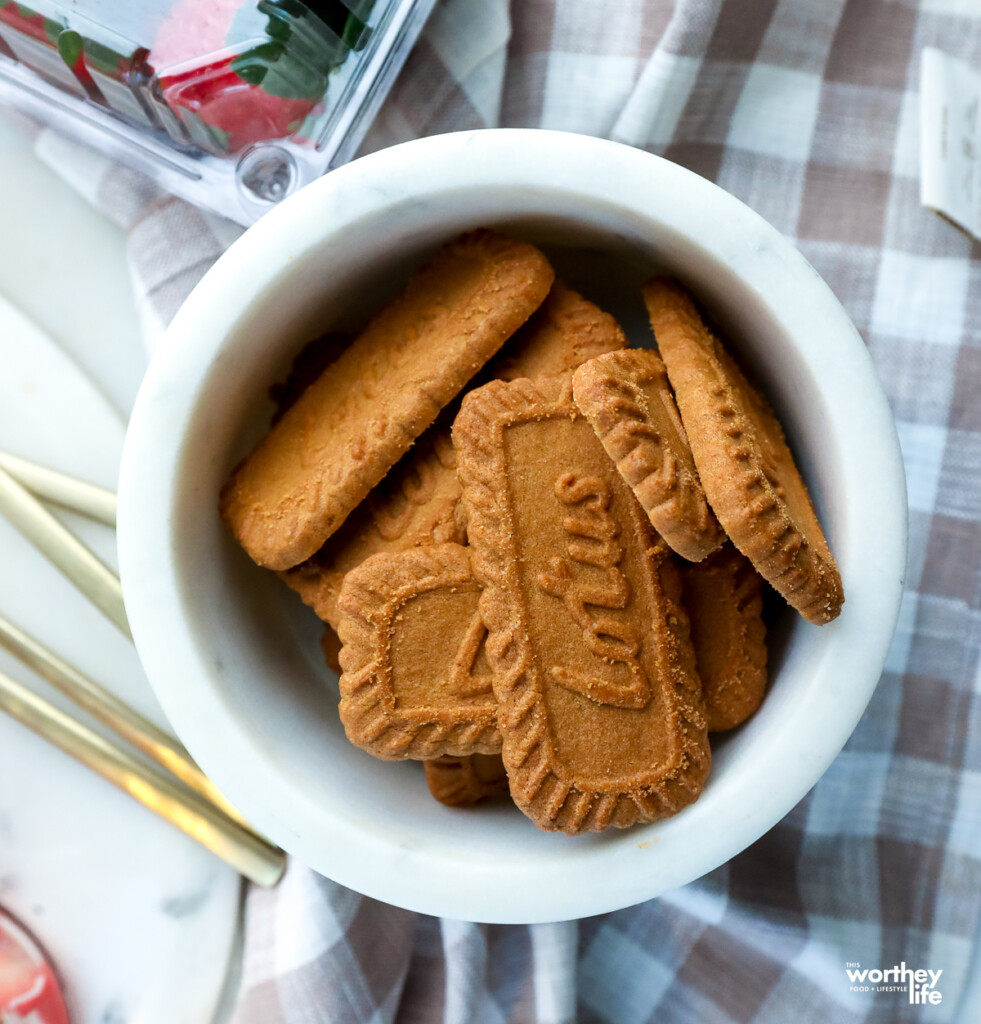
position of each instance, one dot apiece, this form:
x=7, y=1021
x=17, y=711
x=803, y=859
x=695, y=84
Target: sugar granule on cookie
x=365, y=410
x=465, y=781
x=627, y=400
x=743, y=460
x=415, y=680
x=599, y=703
x=724, y=599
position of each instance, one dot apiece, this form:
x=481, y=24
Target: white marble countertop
x=64, y=265
x=140, y=921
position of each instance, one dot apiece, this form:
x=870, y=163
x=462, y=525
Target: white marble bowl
x=233, y=656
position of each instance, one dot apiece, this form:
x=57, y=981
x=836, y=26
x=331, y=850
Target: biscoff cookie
x=415, y=682
x=724, y=600
x=465, y=781
x=365, y=410
x=743, y=460
x=627, y=400
x=419, y=501
x=599, y=703
x=564, y=332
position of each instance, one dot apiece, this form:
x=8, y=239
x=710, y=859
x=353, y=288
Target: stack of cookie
x=530, y=588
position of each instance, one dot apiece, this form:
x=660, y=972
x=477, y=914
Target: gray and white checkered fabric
x=807, y=110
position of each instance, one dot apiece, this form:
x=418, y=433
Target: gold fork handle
x=64, y=550
x=158, y=745
x=67, y=491
x=250, y=854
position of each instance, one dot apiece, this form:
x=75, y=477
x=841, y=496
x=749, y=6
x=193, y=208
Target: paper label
x=950, y=139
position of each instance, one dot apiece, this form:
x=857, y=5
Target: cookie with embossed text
x=419, y=502
x=367, y=408
x=626, y=397
x=743, y=460
x=599, y=703
x=415, y=682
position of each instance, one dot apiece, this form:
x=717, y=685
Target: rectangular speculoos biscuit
x=419, y=501
x=415, y=680
x=366, y=409
x=599, y=703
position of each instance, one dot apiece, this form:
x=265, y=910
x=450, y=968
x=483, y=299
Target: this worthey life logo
x=921, y=983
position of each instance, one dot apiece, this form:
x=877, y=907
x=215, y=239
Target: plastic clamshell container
x=232, y=104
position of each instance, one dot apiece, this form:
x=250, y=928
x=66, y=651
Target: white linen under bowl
x=233, y=656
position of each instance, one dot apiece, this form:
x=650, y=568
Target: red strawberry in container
x=28, y=989
x=237, y=72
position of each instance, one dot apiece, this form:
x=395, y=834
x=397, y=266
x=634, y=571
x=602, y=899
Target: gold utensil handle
x=67, y=491
x=250, y=855
x=64, y=550
x=158, y=745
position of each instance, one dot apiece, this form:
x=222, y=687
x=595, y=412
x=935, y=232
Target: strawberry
x=276, y=56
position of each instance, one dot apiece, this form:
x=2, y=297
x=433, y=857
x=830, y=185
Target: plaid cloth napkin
x=807, y=110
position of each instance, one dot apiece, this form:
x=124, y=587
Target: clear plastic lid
x=233, y=104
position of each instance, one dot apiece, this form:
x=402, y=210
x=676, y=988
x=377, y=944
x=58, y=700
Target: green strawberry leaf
x=70, y=46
